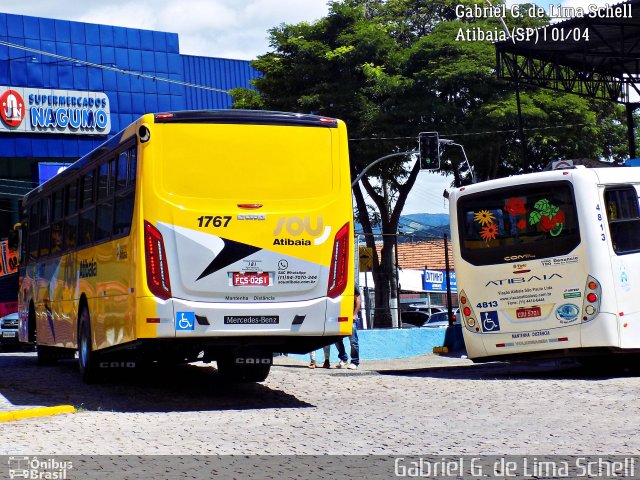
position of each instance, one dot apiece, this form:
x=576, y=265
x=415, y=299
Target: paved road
x=420, y=406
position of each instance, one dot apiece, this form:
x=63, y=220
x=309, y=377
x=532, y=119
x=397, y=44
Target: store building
x=65, y=87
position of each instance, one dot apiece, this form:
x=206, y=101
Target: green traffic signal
x=429, y=150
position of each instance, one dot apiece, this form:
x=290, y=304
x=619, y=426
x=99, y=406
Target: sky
x=235, y=29
x=212, y=28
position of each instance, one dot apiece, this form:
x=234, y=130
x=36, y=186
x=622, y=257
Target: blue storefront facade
x=65, y=87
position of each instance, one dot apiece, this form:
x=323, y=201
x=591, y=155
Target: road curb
x=35, y=412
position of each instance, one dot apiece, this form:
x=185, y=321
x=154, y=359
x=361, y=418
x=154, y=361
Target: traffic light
x=429, y=150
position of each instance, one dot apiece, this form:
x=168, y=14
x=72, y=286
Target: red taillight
x=339, y=263
x=466, y=311
x=592, y=297
x=156, y=259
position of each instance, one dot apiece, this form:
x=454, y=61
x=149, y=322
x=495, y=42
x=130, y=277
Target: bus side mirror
x=429, y=150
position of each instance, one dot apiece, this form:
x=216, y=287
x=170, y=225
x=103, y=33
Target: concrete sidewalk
x=410, y=363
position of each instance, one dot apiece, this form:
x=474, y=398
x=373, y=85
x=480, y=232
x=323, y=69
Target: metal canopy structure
x=595, y=54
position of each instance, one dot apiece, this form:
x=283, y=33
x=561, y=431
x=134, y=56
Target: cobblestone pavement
x=420, y=406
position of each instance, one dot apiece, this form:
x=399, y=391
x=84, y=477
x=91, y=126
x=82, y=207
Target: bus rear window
x=262, y=162
x=522, y=223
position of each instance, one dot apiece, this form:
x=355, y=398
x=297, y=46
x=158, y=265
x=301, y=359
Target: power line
x=475, y=133
x=111, y=68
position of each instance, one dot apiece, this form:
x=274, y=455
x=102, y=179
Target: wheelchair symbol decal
x=185, y=320
x=490, y=321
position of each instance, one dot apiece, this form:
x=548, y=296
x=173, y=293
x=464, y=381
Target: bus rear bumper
x=182, y=319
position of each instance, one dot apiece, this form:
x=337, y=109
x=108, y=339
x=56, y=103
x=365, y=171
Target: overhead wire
x=111, y=68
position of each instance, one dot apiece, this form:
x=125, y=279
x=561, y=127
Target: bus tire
x=87, y=358
x=231, y=372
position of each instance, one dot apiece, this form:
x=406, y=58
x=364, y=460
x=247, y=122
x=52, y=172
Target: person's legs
x=355, y=347
x=342, y=353
x=327, y=355
x=312, y=359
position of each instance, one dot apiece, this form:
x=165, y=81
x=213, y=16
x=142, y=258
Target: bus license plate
x=250, y=279
x=9, y=334
x=528, y=312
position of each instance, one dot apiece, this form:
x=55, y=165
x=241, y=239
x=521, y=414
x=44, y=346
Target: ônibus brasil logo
x=12, y=108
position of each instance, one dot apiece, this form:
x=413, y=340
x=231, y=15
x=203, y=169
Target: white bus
x=548, y=264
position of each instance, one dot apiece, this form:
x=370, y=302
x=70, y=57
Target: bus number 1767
x=217, y=221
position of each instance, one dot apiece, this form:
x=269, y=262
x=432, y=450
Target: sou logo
x=296, y=226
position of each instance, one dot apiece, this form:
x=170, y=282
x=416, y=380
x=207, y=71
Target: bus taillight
x=592, y=296
x=156, y=260
x=339, y=263
x=468, y=315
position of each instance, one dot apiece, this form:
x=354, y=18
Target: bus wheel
x=87, y=359
x=232, y=372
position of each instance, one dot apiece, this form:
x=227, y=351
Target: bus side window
x=133, y=164
x=88, y=210
x=70, y=216
x=122, y=171
x=125, y=192
x=45, y=226
x=34, y=221
x=623, y=215
x=104, y=207
x=56, y=222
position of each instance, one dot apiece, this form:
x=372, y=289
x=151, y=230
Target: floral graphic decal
x=516, y=207
x=550, y=217
x=489, y=232
x=484, y=217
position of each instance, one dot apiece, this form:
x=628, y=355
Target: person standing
x=353, y=339
x=312, y=357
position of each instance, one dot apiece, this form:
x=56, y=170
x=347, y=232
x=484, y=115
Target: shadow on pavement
x=154, y=389
x=522, y=370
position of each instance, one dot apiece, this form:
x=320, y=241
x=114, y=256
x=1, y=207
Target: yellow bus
x=221, y=235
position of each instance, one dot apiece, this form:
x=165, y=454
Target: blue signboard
x=46, y=170
x=436, y=281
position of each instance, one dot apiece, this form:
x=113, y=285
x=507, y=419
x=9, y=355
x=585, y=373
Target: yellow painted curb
x=35, y=412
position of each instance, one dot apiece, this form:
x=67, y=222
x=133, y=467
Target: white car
x=441, y=319
x=9, y=329
x=426, y=308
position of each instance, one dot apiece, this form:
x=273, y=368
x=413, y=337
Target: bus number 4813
x=487, y=304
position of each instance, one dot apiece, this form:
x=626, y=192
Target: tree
x=393, y=68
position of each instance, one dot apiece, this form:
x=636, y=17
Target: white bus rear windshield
x=521, y=223
x=218, y=161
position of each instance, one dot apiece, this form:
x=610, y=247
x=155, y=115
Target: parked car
x=412, y=319
x=9, y=329
x=426, y=308
x=441, y=320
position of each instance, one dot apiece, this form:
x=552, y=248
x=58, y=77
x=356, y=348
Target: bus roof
x=601, y=175
x=252, y=117
x=248, y=117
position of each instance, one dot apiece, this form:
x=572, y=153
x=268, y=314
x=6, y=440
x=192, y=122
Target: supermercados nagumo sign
x=39, y=110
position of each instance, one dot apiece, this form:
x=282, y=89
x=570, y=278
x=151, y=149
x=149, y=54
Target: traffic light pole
x=377, y=161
